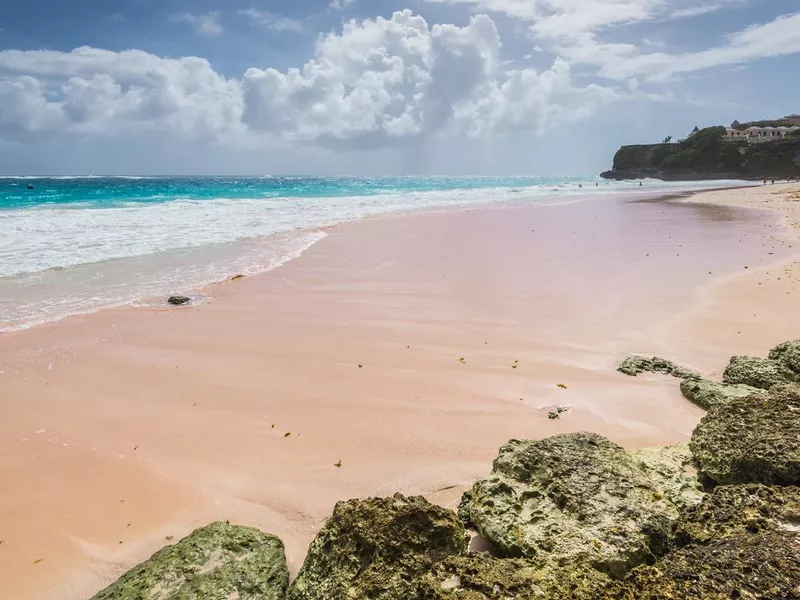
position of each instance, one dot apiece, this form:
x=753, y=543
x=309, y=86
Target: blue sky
x=379, y=88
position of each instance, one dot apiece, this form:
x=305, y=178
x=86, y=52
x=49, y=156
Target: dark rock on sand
x=757, y=372
x=483, y=577
x=762, y=566
x=788, y=355
x=635, y=365
x=179, y=300
x=579, y=499
x=378, y=549
x=706, y=394
x=734, y=510
x=752, y=440
x=218, y=562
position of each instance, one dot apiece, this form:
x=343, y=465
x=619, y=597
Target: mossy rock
x=751, y=440
x=757, y=372
x=734, y=510
x=787, y=354
x=763, y=566
x=634, y=365
x=577, y=499
x=378, y=549
x=218, y=562
x=706, y=394
x=484, y=577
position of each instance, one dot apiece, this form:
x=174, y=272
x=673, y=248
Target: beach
x=396, y=354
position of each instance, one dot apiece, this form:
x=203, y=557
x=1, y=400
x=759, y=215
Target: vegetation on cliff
x=706, y=155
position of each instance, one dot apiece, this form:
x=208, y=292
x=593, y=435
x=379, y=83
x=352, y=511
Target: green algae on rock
x=752, y=440
x=218, y=562
x=577, y=499
x=787, y=354
x=733, y=510
x=757, y=372
x=705, y=393
x=484, y=577
x=763, y=566
x=635, y=365
x=673, y=470
x=378, y=548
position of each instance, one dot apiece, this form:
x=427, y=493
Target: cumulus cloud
x=378, y=82
x=99, y=92
x=391, y=79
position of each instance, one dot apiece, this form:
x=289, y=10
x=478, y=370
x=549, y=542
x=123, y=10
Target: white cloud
x=384, y=80
x=341, y=4
x=207, y=24
x=99, y=92
x=551, y=19
x=268, y=20
x=378, y=82
x=780, y=37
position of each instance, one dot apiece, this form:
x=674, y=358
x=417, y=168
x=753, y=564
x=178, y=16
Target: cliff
x=705, y=155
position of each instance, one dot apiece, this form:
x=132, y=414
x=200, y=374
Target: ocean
x=73, y=245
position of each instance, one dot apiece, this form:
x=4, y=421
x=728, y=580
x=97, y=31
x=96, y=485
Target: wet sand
x=409, y=348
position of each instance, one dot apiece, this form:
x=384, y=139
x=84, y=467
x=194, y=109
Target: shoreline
x=204, y=290
x=179, y=405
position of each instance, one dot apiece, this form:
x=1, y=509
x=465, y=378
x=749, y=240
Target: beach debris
x=552, y=415
x=179, y=300
x=169, y=538
x=136, y=448
x=287, y=434
x=338, y=465
x=462, y=360
x=360, y=366
x=562, y=409
x=515, y=364
x=562, y=386
x=273, y=427
x=237, y=276
x=37, y=561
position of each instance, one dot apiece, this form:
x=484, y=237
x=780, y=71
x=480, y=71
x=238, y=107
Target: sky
x=379, y=87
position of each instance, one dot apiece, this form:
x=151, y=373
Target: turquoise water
x=71, y=245
x=117, y=191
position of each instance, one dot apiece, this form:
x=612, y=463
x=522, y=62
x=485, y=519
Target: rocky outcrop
x=757, y=372
x=575, y=499
x=378, y=549
x=483, y=577
x=707, y=394
x=179, y=300
x=762, y=566
x=787, y=355
x=218, y=562
x=635, y=365
x=673, y=471
x=705, y=155
x=735, y=510
x=752, y=441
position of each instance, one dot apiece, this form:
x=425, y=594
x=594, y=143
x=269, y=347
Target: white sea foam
x=57, y=261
